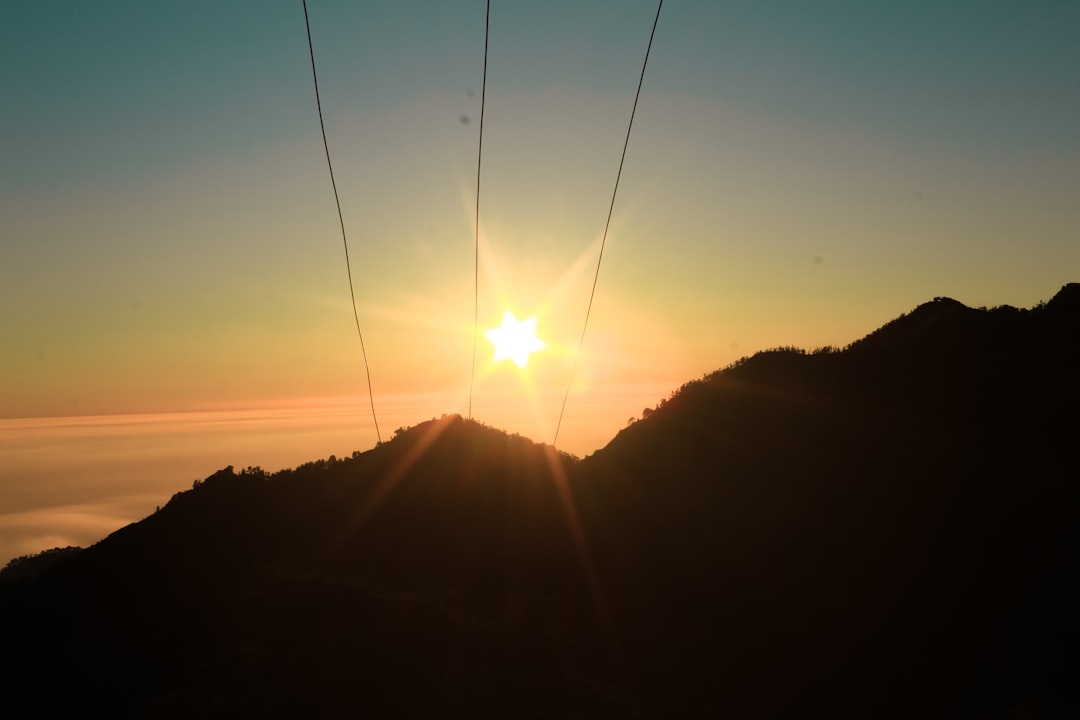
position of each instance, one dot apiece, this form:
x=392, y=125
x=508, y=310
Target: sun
x=515, y=339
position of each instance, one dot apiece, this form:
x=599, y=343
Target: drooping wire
x=611, y=209
x=476, y=221
x=341, y=221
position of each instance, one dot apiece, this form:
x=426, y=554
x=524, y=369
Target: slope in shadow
x=886, y=530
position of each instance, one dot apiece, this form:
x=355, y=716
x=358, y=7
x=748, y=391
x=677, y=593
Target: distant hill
x=886, y=530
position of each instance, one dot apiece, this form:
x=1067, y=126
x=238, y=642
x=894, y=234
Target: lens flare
x=515, y=339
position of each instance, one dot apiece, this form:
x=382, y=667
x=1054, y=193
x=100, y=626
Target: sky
x=798, y=174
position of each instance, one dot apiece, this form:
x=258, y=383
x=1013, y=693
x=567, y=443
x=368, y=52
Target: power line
x=611, y=209
x=341, y=221
x=476, y=222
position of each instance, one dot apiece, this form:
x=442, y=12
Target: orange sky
x=795, y=176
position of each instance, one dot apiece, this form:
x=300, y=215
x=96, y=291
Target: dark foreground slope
x=890, y=530
x=883, y=531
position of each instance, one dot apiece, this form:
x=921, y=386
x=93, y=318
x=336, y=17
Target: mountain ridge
x=886, y=530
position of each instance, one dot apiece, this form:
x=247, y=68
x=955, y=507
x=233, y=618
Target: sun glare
x=515, y=339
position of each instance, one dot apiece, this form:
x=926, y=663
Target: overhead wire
x=476, y=221
x=607, y=225
x=341, y=221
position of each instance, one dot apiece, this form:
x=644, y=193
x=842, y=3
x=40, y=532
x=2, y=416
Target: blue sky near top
x=799, y=173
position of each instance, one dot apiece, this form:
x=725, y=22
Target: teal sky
x=799, y=173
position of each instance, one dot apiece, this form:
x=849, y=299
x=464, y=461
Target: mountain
x=886, y=530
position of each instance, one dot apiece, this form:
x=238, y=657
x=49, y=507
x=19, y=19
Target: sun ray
x=561, y=485
x=388, y=482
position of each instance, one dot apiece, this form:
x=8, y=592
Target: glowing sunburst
x=514, y=339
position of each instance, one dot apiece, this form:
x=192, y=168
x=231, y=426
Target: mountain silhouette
x=884, y=530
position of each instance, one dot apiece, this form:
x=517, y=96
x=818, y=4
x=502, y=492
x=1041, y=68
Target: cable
x=341, y=220
x=611, y=209
x=476, y=256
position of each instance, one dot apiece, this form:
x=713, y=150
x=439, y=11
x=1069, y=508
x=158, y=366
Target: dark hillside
x=883, y=531
x=406, y=579
x=889, y=527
